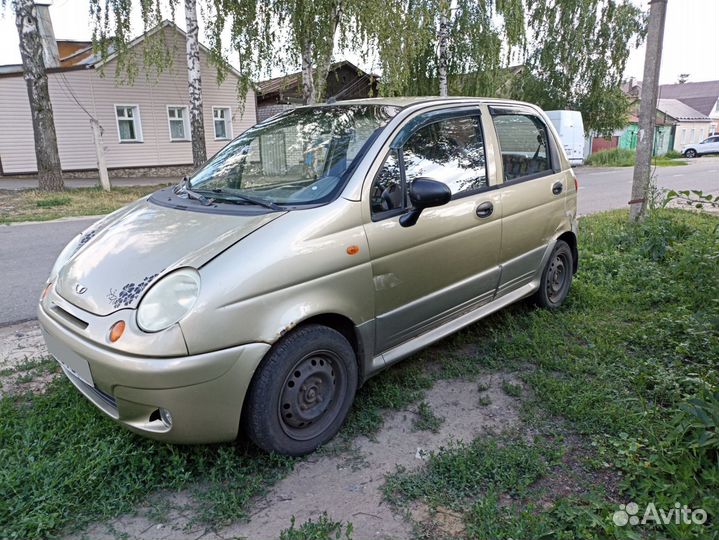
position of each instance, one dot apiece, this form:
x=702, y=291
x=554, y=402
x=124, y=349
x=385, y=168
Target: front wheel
x=302, y=392
x=556, y=277
x=691, y=153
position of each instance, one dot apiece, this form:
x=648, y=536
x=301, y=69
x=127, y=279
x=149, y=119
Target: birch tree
x=566, y=53
x=194, y=84
x=43, y=123
x=312, y=27
x=442, y=45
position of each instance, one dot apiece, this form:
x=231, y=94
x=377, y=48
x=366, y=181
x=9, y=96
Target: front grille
x=69, y=317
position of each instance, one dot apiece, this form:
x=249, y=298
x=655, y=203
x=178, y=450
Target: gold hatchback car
x=318, y=248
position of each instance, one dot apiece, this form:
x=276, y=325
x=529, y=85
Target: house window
x=129, y=126
x=223, y=122
x=701, y=134
x=177, y=118
x=683, y=137
x=691, y=136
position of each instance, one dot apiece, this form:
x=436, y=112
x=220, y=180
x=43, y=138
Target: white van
x=570, y=127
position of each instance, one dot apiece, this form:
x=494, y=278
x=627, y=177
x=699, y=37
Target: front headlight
x=64, y=256
x=168, y=300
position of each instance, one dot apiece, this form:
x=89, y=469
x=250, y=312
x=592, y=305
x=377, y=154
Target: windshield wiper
x=183, y=188
x=237, y=197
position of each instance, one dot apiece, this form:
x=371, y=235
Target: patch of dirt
x=574, y=476
x=347, y=484
x=349, y=490
x=23, y=355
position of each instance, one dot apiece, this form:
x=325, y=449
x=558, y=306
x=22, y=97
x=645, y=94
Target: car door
x=532, y=193
x=447, y=262
x=712, y=146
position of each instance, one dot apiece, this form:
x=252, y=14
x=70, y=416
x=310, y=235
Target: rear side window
x=523, y=141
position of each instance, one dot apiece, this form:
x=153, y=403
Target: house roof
x=701, y=96
x=680, y=111
x=79, y=54
x=293, y=81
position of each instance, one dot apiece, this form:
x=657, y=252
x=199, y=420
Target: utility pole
x=648, y=111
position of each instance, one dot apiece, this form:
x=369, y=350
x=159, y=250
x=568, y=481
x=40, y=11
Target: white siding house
x=144, y=124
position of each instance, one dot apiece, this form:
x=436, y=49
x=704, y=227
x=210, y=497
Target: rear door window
x=523, y=142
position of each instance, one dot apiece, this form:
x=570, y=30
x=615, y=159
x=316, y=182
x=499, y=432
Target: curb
x=59, y=220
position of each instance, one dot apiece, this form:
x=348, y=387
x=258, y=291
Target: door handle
x=557, y=188
x=485, y=209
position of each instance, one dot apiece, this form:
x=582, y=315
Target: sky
x=691, y=37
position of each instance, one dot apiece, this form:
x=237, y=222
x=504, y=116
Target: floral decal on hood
x=129, y=293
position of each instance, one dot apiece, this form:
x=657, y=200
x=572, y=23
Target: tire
x=302, y=391
x=691, y=153
x=556, y=277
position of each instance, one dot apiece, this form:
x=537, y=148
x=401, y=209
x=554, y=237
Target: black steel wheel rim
x=557, y=277
x=312, y=395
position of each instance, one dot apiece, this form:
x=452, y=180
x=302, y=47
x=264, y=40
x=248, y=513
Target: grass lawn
x=620, y=157
x=34, y=205
x=621, y=403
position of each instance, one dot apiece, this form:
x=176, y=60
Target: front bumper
x=204, y=392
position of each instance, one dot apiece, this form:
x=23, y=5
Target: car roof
x=405, y=102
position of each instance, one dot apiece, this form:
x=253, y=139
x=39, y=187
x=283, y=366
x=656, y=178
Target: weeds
x=322, y=529
x=426, y=420
x=622, y=157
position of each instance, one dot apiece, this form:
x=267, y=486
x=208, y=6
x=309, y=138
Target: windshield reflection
x=298, y=157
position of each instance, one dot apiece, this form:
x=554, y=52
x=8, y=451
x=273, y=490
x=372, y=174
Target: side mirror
x=424, y=193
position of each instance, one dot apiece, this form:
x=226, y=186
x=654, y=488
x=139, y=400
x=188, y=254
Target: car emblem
x=79, y=289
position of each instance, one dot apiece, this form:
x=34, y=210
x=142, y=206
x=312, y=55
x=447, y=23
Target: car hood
x=121, y=256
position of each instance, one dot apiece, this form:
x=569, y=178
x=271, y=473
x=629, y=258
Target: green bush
x=616, y=157
x=621, y=157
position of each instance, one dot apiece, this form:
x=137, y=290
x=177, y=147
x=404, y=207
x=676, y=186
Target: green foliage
x=63, y=463
x=616, y=157
x=691, y=197
x=488, y=517
x=578, y=63
x=50, y=202
x=426, y=419
x=512, y=390
x=673, y=154
x=465, y=472
x=623, y=157
x=322, y=529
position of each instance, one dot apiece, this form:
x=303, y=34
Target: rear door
x=447, y=262
x=533, y=192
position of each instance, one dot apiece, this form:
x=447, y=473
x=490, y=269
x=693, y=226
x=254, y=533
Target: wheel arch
x=570, y=238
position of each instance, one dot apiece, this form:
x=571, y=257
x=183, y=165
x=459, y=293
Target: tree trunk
x=308, y=85
x=443, y=39
x=194, y=85
x=100, y=153
x=642, y=182
x=49, y=169
x=323, y=67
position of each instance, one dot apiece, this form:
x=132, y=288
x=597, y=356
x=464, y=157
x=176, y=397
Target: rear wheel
x=556, y=277
x=691, y=153
x=302, y=392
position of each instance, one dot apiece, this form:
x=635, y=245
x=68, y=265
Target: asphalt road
x=608, y=188
x=27, y=251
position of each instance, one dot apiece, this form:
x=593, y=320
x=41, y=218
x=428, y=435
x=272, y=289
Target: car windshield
x=298, y=157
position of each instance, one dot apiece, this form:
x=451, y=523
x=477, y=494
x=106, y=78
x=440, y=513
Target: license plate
x=69, y=359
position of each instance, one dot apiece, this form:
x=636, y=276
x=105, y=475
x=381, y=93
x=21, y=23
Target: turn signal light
x=45, y=291
x=117, y=330
x=353, y=250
